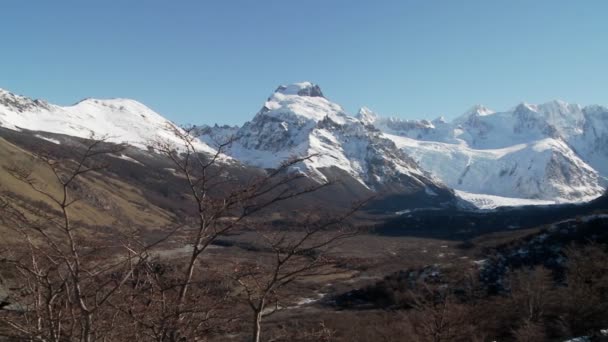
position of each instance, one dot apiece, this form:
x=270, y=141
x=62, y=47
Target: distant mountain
x=298, y=120
x=118, y=120
x=532, y=154
x=554, y=151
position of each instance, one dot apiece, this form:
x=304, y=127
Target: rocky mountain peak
x=366, y=115
x=525, y=107
x=20, y=103
x=301, y=89
x=478, y=110
x=297, y=121
x=439, y=121
x=473, y=114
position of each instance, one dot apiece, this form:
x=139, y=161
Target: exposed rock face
x=21, y=104
x=301, y=89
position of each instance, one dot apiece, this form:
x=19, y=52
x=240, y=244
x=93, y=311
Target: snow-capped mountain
x=117, y=120
x=298, y=120
x=554, y=151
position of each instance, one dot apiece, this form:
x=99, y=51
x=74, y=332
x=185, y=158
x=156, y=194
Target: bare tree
x=439, y=315
x=533, y=293
x=75, y=289
x=62, y=281
x=221, y=204
x=294, y=255
x=530, y=303
x=585, y=299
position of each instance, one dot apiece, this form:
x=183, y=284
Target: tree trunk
x=257, y=325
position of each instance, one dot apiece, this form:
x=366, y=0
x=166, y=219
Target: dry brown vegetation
x=218, y=272
x=66, y=286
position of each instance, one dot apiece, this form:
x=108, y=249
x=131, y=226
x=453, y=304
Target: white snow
x=54, y=141
x=295, y=123
x=287, y=104
x=366, y=115
x=518, y=171
x=524, y=155
x=483, y=201
x=532, y=154
x=127, y=158
x=116, y=120
x=477, y=110
x=295, y=88
x=554, y=152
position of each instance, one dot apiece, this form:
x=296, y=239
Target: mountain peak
x=525, y=107
x=479, y=110
x=301, y=102
x=560, y=107
x=557, y=102
x=109, y=101
x=116, y=105
x=366, y=115
x=475, y=111
x=439, y=120
x=301, y=89
x=19, y=102
x=7, y=94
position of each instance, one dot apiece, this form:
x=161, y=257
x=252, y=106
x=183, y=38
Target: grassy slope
x=103, y=199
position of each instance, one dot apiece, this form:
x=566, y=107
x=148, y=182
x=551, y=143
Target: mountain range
x=531, y=154
x=554, y=151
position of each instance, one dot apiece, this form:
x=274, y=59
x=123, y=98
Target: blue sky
x=217, y=61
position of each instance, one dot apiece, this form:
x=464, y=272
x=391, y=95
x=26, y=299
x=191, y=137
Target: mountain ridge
x=554, y=151
x=117, y=120
x=563, y=173
x=298, y=120
x=488, y=147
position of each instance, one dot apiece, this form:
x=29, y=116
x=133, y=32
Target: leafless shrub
x=63, y=282
x=304, y=254
x=584, y=301
x=439, y=316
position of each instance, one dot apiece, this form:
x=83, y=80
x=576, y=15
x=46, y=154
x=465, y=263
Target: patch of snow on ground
x=482, y=201
x=54, y=141
x=127, y=158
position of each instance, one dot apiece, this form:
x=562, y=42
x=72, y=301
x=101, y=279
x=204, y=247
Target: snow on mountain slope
x=554, y=151
x=435, y=130
x=483, y=128
x=592, y=143
x=580, y=133
x=483, y=201
x=545, y=169
x=522, y=124
x=550, y=152
x=119, y=120
x=297, y=120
